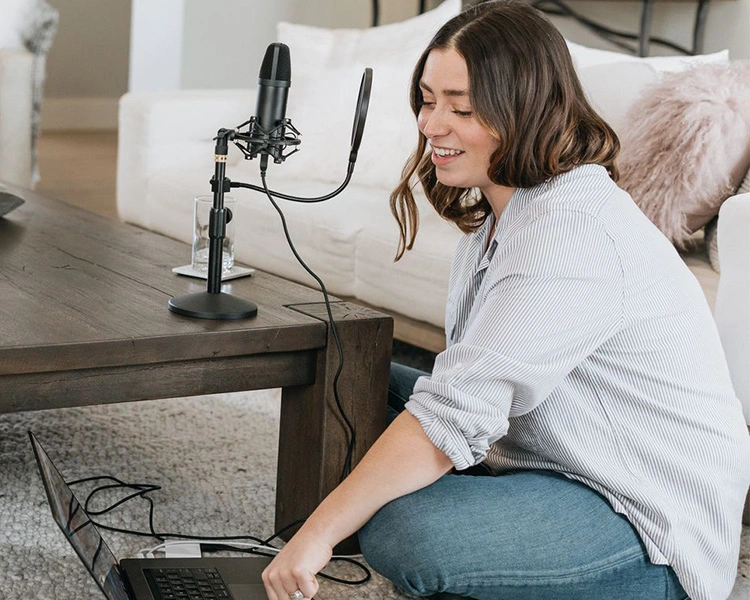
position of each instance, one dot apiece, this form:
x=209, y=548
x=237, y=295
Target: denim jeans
x=525, y=535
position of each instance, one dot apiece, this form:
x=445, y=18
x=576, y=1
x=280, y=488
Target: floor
x=80, y=168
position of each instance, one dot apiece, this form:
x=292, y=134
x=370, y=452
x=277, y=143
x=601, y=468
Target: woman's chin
x=447, y=180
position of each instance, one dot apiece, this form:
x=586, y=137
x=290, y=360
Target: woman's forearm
x=401, y=461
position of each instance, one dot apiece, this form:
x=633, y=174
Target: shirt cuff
x=446, y=435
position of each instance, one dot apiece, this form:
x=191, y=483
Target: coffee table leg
x=313, y=437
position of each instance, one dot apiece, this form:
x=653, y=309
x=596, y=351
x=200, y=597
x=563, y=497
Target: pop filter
x=360, y=113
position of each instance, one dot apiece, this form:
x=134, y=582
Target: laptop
x=8, y=202
x=227, y=578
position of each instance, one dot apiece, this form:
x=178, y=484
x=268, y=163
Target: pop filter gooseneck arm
x=358, y=128
x=213, y=303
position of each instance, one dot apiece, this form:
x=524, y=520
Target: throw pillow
x=327, y=66
x=685, y=146
x=613, y=87
x=584, y=57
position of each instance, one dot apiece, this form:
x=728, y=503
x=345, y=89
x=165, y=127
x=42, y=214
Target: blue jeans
x=525, y=535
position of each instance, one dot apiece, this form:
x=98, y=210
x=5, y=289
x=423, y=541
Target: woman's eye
x=463, y=113
x=428, y=104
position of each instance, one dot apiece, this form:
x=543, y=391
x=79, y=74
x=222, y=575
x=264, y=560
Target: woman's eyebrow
x=427, y=88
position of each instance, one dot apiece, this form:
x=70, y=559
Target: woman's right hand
x=295, y=567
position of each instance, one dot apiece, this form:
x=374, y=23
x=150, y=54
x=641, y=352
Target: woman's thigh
x=527, y=535
x=400, y=387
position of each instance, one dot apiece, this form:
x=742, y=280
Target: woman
x=583, y=369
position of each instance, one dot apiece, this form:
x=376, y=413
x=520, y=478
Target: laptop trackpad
x=248, y=591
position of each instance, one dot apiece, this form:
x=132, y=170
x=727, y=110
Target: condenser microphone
x=274, y=80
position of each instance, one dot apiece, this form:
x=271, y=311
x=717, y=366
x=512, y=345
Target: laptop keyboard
x=187, y=584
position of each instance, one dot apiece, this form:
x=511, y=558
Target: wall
x=87, y=67
x=224, y=48
x=156, y=31
x=232, y=59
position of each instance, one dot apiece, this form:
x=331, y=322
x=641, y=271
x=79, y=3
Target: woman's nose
x=434, y=124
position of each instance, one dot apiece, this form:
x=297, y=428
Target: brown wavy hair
x=524, y=89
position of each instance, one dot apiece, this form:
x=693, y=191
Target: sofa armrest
x=16, y=107
x=162, y=130
x=733, y=297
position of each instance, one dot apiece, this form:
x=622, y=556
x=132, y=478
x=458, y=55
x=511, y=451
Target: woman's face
x=461, y=145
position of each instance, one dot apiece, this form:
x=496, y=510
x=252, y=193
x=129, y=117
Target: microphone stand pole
x=213, y=303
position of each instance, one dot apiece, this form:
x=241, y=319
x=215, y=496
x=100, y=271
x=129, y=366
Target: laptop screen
x=76, y=524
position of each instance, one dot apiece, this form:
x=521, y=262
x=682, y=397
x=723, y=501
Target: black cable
x=352, y=434
x=359, y=565
x=142, y=489
x=265, y=190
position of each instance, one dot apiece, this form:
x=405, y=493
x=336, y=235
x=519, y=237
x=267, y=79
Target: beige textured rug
x=214, y=457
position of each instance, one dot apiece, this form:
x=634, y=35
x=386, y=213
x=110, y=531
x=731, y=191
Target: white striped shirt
x=579, y=342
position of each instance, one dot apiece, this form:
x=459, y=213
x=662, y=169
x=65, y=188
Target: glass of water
x=201, y=240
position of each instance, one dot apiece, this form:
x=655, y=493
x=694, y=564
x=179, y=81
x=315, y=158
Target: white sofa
x=166, y=157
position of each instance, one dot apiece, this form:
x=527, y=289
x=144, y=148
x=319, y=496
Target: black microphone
x=274, y=80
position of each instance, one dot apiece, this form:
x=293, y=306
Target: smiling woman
x=583, y=375
x=488, y=80
x=462, y=146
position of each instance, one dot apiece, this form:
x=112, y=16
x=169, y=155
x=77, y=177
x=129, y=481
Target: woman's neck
x=498, y=196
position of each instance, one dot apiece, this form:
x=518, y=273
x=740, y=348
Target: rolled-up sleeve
x=552, y=294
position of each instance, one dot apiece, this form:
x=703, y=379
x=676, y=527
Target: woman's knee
x=402, y=543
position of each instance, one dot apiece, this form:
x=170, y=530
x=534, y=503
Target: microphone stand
x=213, y=303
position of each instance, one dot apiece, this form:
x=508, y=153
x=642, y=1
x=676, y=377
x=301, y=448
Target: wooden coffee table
x=84, y=320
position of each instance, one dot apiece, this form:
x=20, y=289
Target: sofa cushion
x=327, y=66
x=685, y=146
x=324, y=233
x=604, y=85
x=421, y=274
x=614, y=80
x=584, y=57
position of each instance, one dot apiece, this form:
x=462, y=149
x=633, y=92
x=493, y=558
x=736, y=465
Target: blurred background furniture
x=27, y=28
x=644, y=37
x=620, y=39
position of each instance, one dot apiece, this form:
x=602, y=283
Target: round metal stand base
x=221, y=306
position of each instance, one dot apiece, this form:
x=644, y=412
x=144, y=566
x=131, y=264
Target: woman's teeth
x=447, y=152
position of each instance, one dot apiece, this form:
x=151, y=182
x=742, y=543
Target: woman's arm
x=402, y=461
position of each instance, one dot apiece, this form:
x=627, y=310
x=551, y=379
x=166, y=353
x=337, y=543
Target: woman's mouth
x=443, y=156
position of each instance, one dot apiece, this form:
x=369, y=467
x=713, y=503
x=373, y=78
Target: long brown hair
x=523, y=87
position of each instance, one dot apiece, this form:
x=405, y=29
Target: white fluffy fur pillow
x=686, y=146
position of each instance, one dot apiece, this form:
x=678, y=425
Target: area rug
x=214, y=456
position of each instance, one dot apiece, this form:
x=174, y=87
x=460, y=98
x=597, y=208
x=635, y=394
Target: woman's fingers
x=282, y=585
x=294, y=568
x=294, y=585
